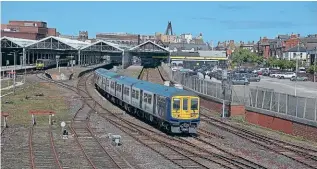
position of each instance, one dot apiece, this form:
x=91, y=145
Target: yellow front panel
x=181, y=108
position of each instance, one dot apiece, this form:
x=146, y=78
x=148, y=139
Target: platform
x=17, y=68
x=132, y=71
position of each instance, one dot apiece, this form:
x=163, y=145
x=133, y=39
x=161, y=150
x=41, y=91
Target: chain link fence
x=296, y=106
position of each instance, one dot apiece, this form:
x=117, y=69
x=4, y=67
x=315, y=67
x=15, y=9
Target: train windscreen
x=194, y=104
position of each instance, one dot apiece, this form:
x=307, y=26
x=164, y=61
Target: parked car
x=240, y=81
x=254, y=78
x=275, y=74
x=299, y=78
x=266, y=73
x=287, y=75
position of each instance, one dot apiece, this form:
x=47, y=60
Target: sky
x=217, y=21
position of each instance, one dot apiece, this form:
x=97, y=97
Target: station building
x=85, y=53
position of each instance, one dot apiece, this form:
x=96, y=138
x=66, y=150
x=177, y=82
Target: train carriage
x=170, y=108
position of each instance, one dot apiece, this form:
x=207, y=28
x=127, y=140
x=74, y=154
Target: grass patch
x=238, y=119
x=24, y=100
x=6, y=82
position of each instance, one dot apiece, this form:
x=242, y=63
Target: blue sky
x=216, y=20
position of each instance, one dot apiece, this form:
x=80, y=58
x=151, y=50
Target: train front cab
x=39, y=64
x=185, y=109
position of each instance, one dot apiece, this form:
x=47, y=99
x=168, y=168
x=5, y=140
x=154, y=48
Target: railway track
x=303, y=155
x=97, y=155
x=146, y=137
x=177, y=145
x=227, y=156
x=300, y=154
x=42, y=148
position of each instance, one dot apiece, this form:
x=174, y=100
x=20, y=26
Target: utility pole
x=224, y=88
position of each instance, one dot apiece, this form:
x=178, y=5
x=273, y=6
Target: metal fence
x=201, y=85
x=256, y=97
x=296, y=106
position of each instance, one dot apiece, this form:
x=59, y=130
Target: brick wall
x=32, y=36
x=282, y=125
x=51, y=32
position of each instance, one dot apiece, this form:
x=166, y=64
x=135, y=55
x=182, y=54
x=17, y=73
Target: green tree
x=312, y=68
x=240, y=56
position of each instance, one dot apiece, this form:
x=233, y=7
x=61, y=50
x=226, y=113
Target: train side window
x=185, y=103
x=112, y=85
x=176, y=104
x=133, y=93
x=194, y=104
x=126, y=91
x=145, y=97
x=119, y=88
x=137, y=94
x=149, y=100
x=107, y=82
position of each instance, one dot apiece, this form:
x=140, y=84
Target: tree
x=312, y=68
x=240, y=56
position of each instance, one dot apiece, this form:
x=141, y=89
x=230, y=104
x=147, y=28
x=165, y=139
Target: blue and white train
x=172, y=109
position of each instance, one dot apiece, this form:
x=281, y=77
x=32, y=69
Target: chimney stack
x=139, y=39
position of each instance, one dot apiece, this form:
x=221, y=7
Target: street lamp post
x=315, y=61
x=57, y=60
x=71, y=57
x=296, y=68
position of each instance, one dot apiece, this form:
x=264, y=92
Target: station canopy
x=149, y=47
x=9, y=42
x=57, y=43
x=63, y=44
x=103, y=46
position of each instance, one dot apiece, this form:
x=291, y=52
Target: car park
x=287, y=75
x=275, y=74
x=254, y=78
x=299, y=78
x=240, y=81
x=265, y=73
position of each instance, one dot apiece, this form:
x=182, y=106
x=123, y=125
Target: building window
x=294, y=55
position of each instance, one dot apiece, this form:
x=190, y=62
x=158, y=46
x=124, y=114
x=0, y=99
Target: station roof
x=59, y=43
x=99, y=43
x=72, y=43
x=20, y=42
x=143, y=48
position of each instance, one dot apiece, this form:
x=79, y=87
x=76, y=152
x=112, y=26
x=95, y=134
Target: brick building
x=282, y=43
x=34, y=30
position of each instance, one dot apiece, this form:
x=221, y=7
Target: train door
x=185, y=111
x=141, y=98
x=176, y=107
x=180, y=107
x=154, y=104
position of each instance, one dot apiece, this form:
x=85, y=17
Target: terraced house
x=282, y=45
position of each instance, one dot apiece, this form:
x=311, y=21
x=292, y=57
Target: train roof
x=127, y=80
x=162, y=90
